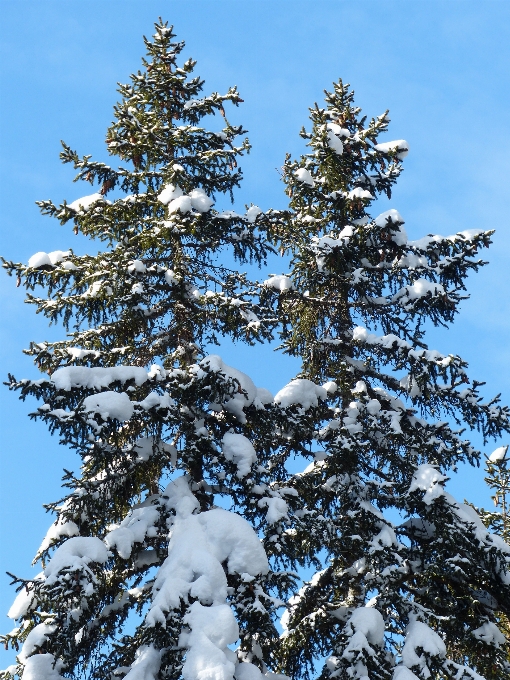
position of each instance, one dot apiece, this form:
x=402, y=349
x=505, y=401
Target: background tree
x=404, y=573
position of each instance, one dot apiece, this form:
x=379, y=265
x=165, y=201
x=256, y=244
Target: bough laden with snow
x=416, y=597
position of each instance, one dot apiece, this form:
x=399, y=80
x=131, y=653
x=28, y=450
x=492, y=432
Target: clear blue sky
x=441, y=67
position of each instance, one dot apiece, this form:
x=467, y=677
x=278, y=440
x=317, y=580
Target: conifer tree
x=145, y=574
x=408, y=582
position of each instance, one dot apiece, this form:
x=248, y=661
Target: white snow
x=420, y=288
x=369, y=622
x=499, y=454
x=252, y=213
x=212, y=630
x=199, y=545
x=490, y=634
x=247, y=671
x=418, y=634
x=96, y=377
x=40, y=667
x=35, y=639
x=358, y=192
x=428, y=478
x=139, y=523
x=392, y=216
x=146, y=664
x=136, y=266
x=264, y=396
x=183, y=204
x=169, y=193
x=334, y=143
x=110, y=405
x=300, y=391
x=238, y=449
x=170, y=277
x=146, y=446
x=303, y=175
x=277, y=508
x=23, y=600
x=337, y=130
x=200, y=201
x=40, y=259
x=403, y=673
x=84, y=203
x=279, y=282
x=240, y=400
x=75, y=554
x=331, y=387
x=56, y=531
x=400, y=144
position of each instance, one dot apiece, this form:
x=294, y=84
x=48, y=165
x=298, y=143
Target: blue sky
x=441, y=67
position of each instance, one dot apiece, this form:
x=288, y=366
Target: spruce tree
x=145, y=574
x=408, y=582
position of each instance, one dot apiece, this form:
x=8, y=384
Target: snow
x=136, y=266
x=277, y=509
x=57, y=530
x=334, y=143
x=200, y=544
x=234, y=404
x=420, y=288
x=393, y=217
x=403, y=673
x=97, y=377
x=279, y=282
x=110, y=405
x=75, y=554
x=337, y=130
x=23, y=600
x=183, y=204
x=419, y=635
x=303, y=175
x=169, y=193
x=146, y=446
x=399, y=144
x=170, y=277
x=238, y=449
x=212, y=630
x=41, y=667
x=300, y=391
x=369, y=622
x=40, y=259
x=264, y=396
x=358, y=192
x=331, y=387
x=499, y=454
x=490, y=634
x=139, y=523
x=252, y=213
x=428, y=478
x=35, y=639
x=146, y=664
x=84, y=203
x=247, y=671
x=200, y=201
